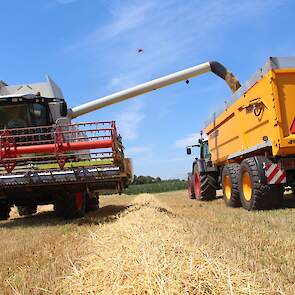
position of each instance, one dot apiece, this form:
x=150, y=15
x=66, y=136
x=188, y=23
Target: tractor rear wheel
x=205, y=185
x=255, y=193
x=70, y=205
x=26, y=210
x=190, y=186
x=4, y=211
x=230, y=185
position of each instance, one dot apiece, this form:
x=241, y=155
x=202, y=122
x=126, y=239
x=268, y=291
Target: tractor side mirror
x=188, y=151
x=63, y=109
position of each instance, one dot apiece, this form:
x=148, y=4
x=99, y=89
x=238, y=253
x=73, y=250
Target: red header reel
x=59, y=143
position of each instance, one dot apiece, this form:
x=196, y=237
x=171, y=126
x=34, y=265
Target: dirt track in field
x=150, y=244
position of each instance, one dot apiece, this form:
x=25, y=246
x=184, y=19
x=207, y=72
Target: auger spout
x=213, y=66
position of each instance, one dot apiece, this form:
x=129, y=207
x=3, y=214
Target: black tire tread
x=26, y=210
x=92, y=202
x=192, y=195
x=265, y=197
x=208, y=186
x=4, y=211
x=65, y=206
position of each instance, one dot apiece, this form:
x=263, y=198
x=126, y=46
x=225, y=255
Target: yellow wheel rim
x=247, y=186
x=227, y=187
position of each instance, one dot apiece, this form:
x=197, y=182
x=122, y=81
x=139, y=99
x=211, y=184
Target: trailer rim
x=227, y=187
x=247, y=185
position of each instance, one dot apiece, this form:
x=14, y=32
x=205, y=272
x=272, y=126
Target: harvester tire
x=70, y=205
x=255, y=193
x=4, y=211
x=92, y=201
x=190, y=186
x=26, y=210
x=205, y=185
x=230, y=185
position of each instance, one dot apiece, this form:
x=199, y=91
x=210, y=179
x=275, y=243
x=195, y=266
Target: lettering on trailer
x=274, y=174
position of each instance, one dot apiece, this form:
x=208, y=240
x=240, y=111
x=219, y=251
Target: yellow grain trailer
x=250, y=151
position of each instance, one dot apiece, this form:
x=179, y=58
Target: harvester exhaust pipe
x=212, y=66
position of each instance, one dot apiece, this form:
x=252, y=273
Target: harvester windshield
x=20, y=115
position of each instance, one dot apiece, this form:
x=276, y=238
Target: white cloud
x=129, y=120
x=124, y=18
x=189, y=139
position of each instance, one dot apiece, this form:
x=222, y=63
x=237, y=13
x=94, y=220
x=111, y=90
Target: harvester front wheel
x=230, y=185
x=4, y=211
x=255, y=193
x=70, y=205
x=190, y=186
x=92, y=201
x=205, y=186
x=26, y=210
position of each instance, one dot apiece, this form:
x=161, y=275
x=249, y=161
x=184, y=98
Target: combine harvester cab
x=46, y=159
x=251, y=143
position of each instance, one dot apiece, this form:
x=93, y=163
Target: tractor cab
x=204, y=149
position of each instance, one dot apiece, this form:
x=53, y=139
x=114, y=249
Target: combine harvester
x=46, y=159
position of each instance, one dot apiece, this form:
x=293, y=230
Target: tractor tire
x=205, y=186
x=70, y=205
x=230, y=185
x=190, y=186
x=92, y=201
x=4, y=211
x=255, y=193
x=26, y=210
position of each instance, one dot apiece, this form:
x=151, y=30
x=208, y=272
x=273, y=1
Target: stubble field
x=150, y=244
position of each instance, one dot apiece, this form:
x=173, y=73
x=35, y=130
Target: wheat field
x=151, y=244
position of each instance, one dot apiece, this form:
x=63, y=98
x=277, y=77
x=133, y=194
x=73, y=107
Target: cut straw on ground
x=150, y=250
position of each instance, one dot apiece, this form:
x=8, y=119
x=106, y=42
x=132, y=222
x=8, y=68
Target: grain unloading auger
x=47, y=159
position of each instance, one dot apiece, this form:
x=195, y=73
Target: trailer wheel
x=70, y=205
x=26, y=210
x=190, y=186
x=205, y=186
x=255, y=193
x=92, y=201
x=4, y=211
x=230, y=185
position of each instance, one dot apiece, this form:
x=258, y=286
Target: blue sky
x=90, y=49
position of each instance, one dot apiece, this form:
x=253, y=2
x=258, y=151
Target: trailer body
x=260, y=116
x=250, y=147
